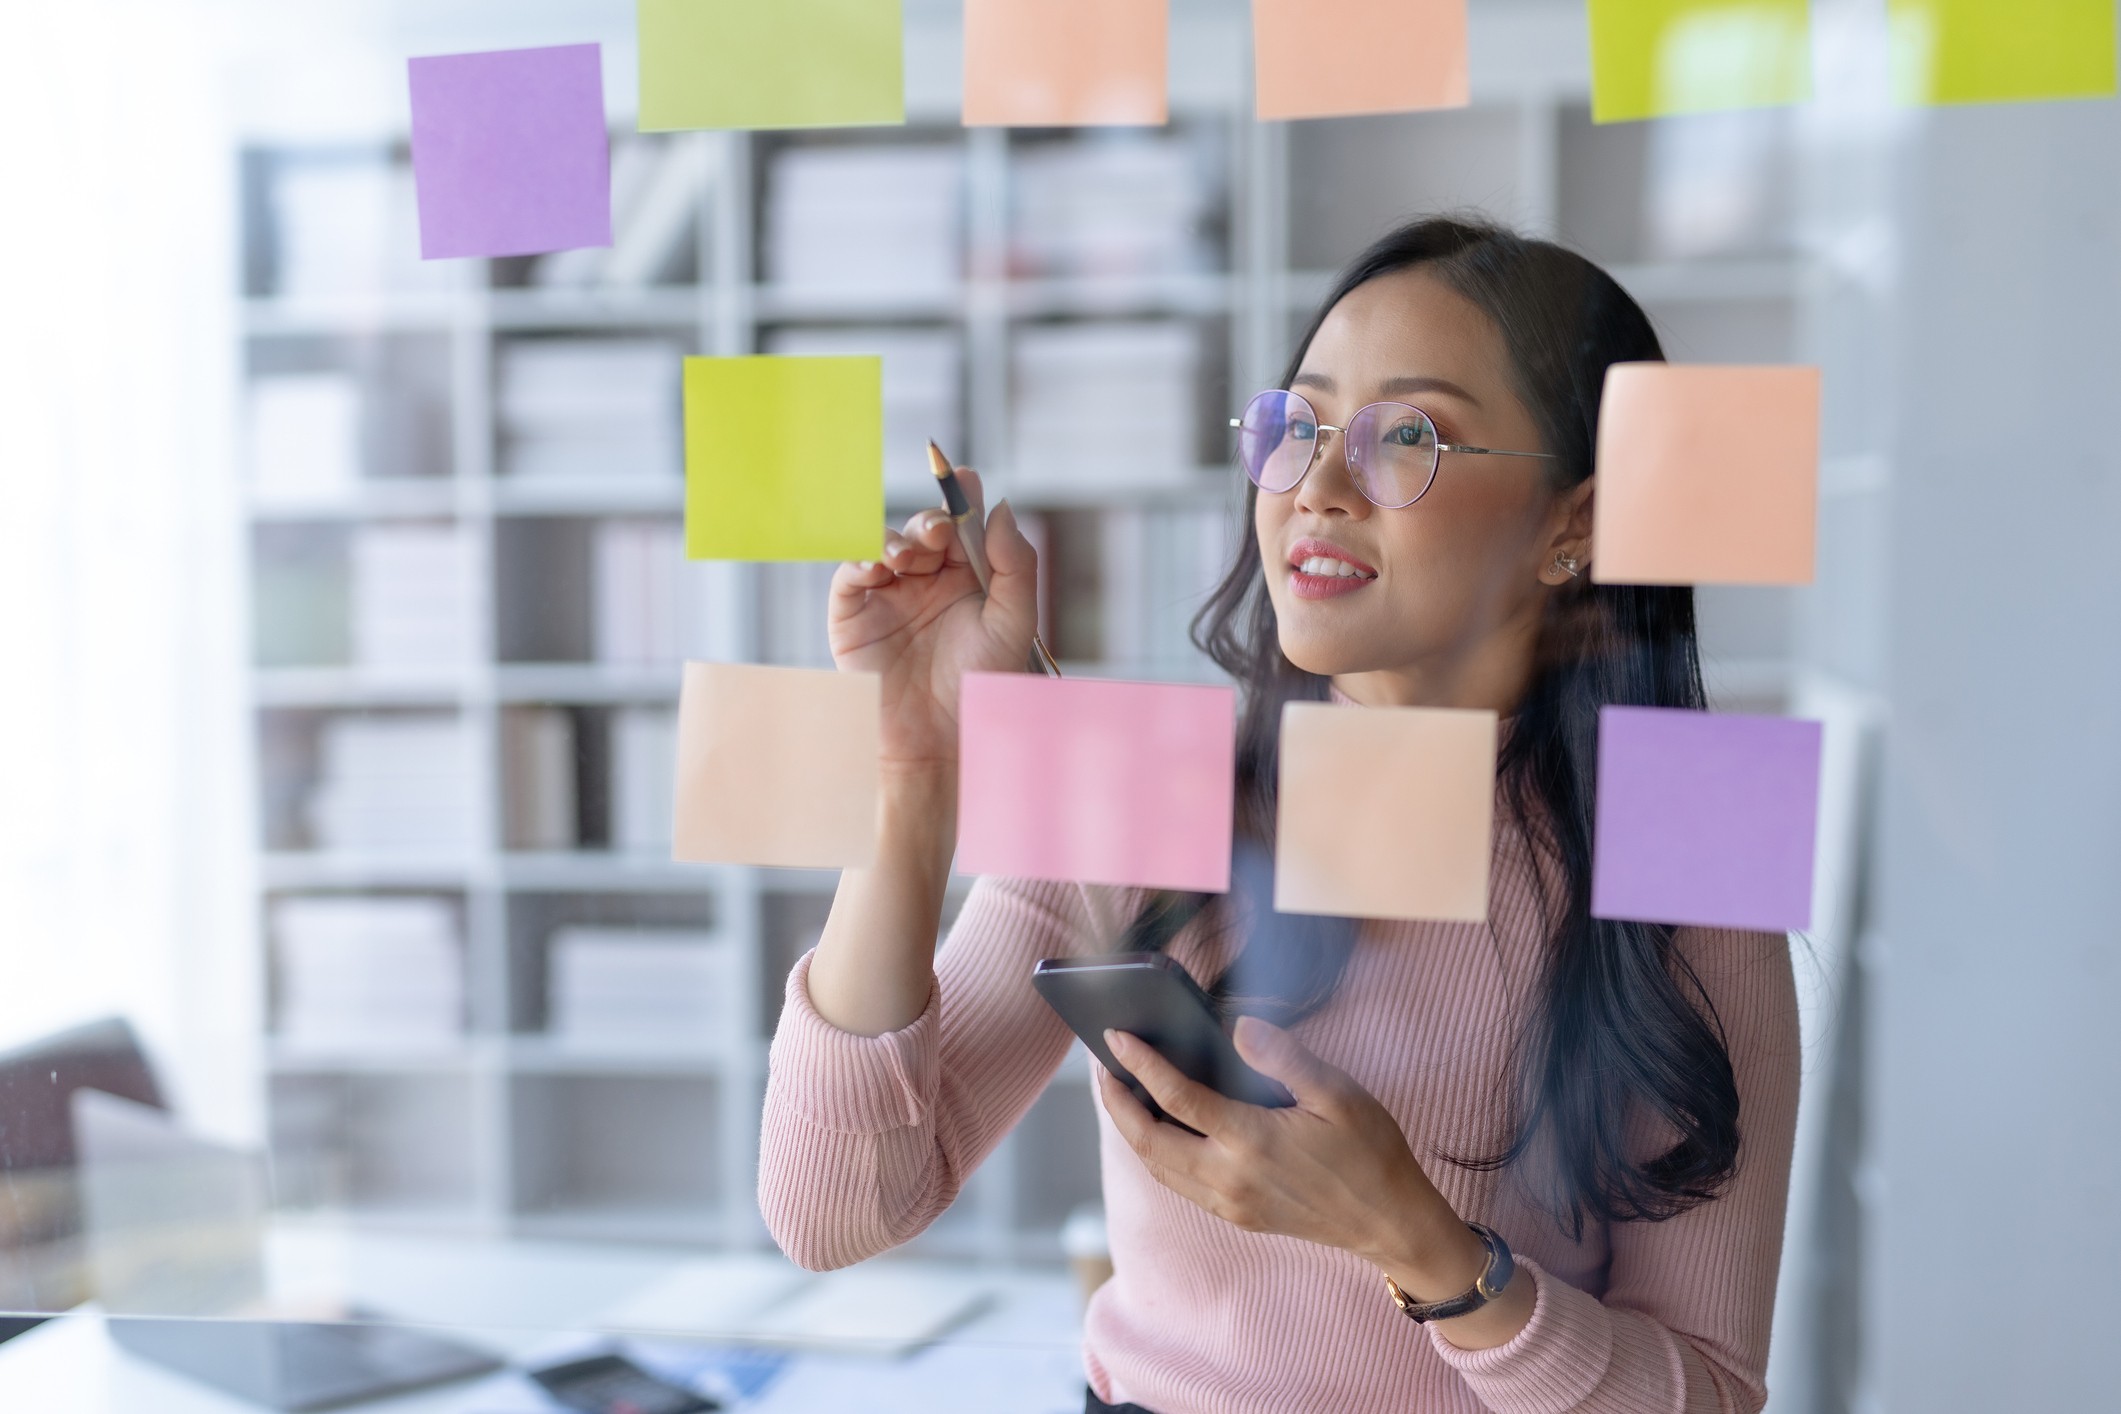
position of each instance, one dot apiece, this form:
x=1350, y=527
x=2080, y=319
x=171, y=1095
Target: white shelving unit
x=511, y=1131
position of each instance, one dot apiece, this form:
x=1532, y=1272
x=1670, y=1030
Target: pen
x=973, y=536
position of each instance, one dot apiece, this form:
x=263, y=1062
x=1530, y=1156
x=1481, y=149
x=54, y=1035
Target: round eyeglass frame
x=1358, y=474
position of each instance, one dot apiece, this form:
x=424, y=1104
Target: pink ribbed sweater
x=867, y=1139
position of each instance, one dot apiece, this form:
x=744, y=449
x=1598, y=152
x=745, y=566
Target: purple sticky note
x=509, y=152
x=1096, y=782
x=1705, y=819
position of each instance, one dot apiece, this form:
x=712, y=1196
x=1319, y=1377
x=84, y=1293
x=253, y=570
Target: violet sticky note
x=1385, y=812
x=1126, y=783
x=777, y=766
x=509, y=152
x=1705, y=818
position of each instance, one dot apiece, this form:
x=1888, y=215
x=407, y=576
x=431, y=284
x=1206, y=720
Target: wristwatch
x=1485, y=1288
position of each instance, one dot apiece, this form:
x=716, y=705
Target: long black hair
x=1622, y=1032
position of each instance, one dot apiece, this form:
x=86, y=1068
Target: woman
x=1613, y=1102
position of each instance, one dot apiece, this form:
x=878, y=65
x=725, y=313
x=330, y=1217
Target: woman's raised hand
x=916, y=619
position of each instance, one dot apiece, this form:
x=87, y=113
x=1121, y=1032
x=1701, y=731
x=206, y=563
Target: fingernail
x=1112, y=1040
x=865, y=565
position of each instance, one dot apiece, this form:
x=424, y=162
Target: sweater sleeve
x=866, y=1140
x=1683, y=1325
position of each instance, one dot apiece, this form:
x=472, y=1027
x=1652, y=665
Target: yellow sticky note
x=1999, y=51
x=1706, y=475
x=777, y=767
x=770, y=63
x=1332, y=58
x=1650, y=58
x=1385, y=812
x=784, y=458
x=1054, y=63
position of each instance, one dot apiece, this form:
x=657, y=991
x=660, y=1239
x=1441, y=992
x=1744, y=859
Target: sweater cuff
x=847, y=1083
x=1550, y=1366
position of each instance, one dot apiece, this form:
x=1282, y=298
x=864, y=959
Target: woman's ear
x=1569, y=552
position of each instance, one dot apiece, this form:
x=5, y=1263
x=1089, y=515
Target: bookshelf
x=498, y=1127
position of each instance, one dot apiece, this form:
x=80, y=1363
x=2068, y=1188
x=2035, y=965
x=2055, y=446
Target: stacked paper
x=1105, y=406
x=643, y=614
x=1124, y=205
x=366, y=971
x=923, y=394
x=538, y=778
x=1157, y=568
x=305, y=436
x=644, y=766
x=396, y=784
x=639, y=986
x=866, y=218
x=590, y=407
x=411, y=597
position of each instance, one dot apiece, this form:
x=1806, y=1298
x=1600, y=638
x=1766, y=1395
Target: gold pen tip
x=937, y=462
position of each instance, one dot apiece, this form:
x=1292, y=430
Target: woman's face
x=1445, y=605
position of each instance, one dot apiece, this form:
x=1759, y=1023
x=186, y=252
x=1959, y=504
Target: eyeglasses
x=1391, y=448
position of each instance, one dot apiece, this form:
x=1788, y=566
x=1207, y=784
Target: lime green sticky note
x=2001, y=51
x=784, y=458
x=1650, y=58
x=770, y=63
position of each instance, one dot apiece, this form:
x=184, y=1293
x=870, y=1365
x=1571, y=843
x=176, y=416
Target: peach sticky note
x=1053, y=63
x=1331, y=58
x=777, y=766
x=1385, y=812
x=1706, y=475
x=1096, y=782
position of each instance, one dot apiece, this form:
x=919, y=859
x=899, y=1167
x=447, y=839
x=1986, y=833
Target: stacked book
x=361, y=971
x=393, y=783
x=1105, y=406
x=646, y=604
x=590, y=408
x=1157, y=568
x=411, y=597
x=924, y=373
x=1122, y=205
x=639, y=987
x=873, y=219
x=539, y=807
x=304, y=436
x=644, y=766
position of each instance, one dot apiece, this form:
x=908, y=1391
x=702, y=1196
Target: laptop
x=176, y=1239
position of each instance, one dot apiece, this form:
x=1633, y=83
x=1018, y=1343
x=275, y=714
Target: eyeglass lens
x=1391, y=447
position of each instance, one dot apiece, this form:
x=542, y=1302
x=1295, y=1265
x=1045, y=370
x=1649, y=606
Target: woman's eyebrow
x=1393, y=387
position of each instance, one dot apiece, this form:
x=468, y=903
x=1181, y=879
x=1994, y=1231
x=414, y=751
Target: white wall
x=1997, y=1053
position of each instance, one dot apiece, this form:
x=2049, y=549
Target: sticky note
x=1331, y=58
x=1051, y=63
x=509, y=152
x=1650, y=58
x=1996, y=51
x=1706, y=475
x=784, y=458
x=770, y=63
x=777, y=766
x=1096, y=782
x=1705, y=818
x=1385, y=812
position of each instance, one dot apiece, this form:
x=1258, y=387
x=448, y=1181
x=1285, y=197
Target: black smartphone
x=612, y=1384
x=1147, y=994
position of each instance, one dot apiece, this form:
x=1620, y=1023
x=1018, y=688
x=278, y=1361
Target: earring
x=1566, y=564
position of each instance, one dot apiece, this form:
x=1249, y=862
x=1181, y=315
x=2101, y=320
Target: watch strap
x=1485, y=1288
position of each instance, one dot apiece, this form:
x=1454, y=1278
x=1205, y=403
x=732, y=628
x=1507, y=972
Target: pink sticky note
x=1126, y=783
x=1333, y=58
x=1706, y=475
x=1385, y=812
x=1052, y=63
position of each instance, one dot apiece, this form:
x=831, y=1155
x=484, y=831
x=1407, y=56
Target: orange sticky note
x=1332, y=58
x=1054, y=63
x=1706, y=475
x=777, y=766
x=1385, y=812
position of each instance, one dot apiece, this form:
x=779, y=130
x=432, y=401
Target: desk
x=529, y=1302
